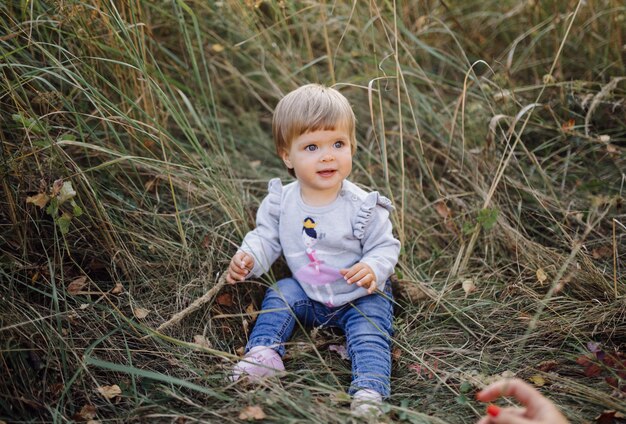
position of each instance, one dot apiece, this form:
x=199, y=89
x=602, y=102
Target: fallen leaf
x=469, y=286
x=76, y=286
x=252, y=413
x=602, y=252
x=206, y=241
x=117, y=289
x=537, y=380
x=240, y=350
x=604, y=138
x=611, y=148
x=592, y=370
x=443, y=210
x=610, y=417
x=56, y=186
x=217, y=48
x=341, y=350
x=40, y=200
x=86, y=413
x=541, y=275
x=225, y=299
x=250, y=310
x=396, y=353
x=141, y=313
x=255, y=164
x=201, y=341
x=109, y=392
x=568, y=125
x=547, y=366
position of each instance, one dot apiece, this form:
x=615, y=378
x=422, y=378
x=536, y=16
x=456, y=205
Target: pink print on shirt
x=315, y=273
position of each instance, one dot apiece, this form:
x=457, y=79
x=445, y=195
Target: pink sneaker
x=260, y=362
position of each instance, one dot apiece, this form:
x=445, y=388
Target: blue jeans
x=366, y=322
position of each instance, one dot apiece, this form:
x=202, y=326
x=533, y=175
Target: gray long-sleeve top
x=318, y=241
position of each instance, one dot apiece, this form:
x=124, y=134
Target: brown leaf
x=547, y=366
x=602, y=252
x=117, y=289
x=593, y=370
x=56, y=186
x=396, y=353
x=76, y=286
x=206, y=241
x=569, y=125
x=109, y=392
x=40, y=200
x=225, y=299
x=86, y=413
x=610, y=417
x=443, y=210
x=253, y=412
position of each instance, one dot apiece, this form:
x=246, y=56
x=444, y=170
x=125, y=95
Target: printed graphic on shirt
x=315, y=273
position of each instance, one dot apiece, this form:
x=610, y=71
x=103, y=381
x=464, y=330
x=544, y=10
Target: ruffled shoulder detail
x=364, y=214
x=274, y=196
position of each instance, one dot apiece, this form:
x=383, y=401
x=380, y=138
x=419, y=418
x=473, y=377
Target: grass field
x=136, y=145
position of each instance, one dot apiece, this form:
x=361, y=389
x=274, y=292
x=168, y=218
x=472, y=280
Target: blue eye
x=339, y=144
x=310, y=148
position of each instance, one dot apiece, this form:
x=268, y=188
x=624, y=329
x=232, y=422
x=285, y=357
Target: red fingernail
x=493, y=410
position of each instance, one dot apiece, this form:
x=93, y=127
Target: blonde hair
x=312, y=107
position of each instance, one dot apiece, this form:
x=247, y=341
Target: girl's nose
x=327, y=156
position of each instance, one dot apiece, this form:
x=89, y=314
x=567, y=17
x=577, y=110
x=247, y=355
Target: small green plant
x=61, y=193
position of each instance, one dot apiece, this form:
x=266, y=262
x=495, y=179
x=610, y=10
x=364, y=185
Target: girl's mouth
x=327, y=173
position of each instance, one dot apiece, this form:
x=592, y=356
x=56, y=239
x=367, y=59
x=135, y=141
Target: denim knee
x=283, y=305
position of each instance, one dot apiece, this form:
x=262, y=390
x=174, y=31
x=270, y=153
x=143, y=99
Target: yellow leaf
x=76, y=286
x=40, y=200
x=537, y=380
x=250, y=310
x=252, y=413
x=217, y=48
x=541, y=275
x=109, y=392
x=141, y=313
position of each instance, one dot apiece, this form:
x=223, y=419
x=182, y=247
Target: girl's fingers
x=358, y=277
x=519, y=390
x=510, y=417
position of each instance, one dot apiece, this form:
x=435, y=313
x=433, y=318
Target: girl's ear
x=285, y=156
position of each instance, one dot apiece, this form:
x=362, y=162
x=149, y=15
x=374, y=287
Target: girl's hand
x=240, y=266
x=362, y=275
x=535, y=409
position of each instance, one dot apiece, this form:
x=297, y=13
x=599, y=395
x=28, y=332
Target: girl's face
x=321, y=161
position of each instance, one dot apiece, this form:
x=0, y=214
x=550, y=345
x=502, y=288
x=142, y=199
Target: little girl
x=338, y=243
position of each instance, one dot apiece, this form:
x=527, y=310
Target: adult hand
x=535, y=409
x=239, y=267
x=362, y=275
